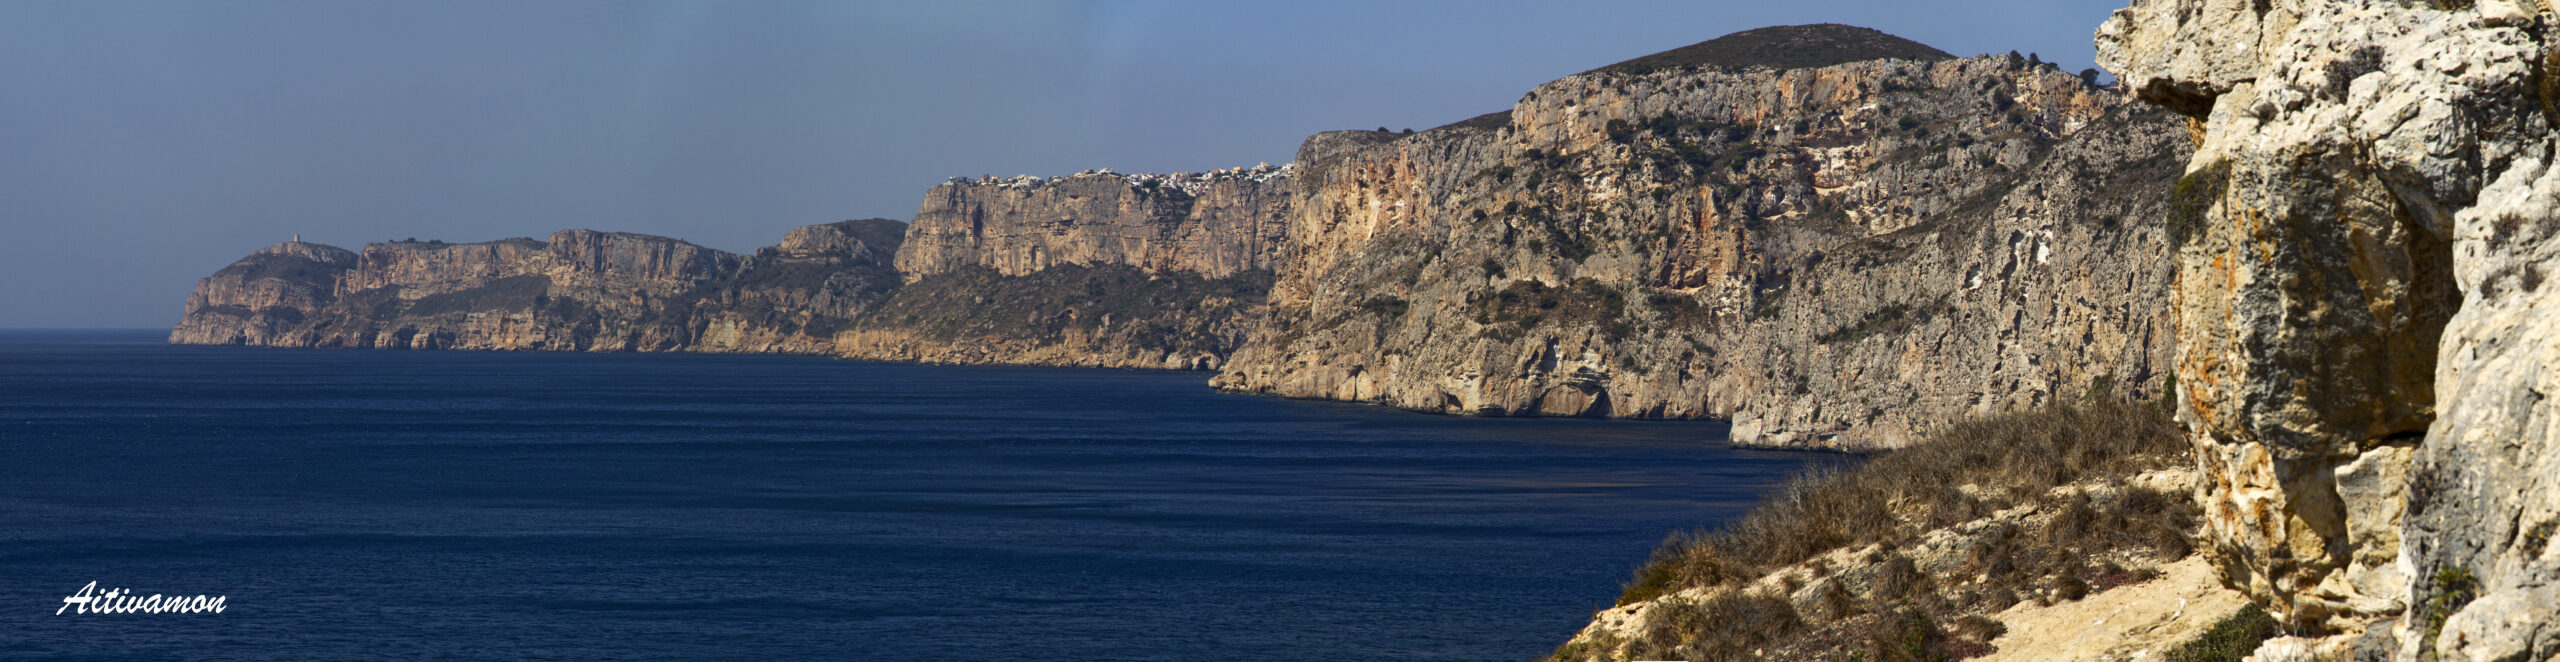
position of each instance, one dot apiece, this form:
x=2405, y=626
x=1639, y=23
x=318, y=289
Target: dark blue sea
x=353, y=504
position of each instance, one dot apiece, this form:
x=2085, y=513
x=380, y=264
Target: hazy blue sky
x=146, y=144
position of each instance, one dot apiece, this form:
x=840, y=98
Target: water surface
x=366, y=504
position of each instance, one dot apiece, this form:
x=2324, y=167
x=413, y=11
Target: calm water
x=568, y=506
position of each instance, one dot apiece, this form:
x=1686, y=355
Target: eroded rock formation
x=1841, y=255
x=1214, y=224
x=264, y=296
x=2376, y=461
x=1832, y=235
x=1099, y=269
x=579, y=290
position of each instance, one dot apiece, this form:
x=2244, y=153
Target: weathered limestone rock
x=1096, y=269
x=1835, y=256
x=825, y=289
x=264, y=295
x=1108, y=316
x=1214, y=224
x=2484, y=501
x=581, y=290
x=2368, y=168
x=1092, y=269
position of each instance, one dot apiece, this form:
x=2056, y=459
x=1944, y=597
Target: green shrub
x=1880, y=320
x=1909, y=636
x=2193, y=198
x=1621, y=132
x=1385, y=306
x=2453, y=588
x=2230, y=640
x=1529, y=303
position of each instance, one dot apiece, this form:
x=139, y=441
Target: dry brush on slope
x=1908, y=554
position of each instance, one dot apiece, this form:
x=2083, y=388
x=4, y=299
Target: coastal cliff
x=1841, y=254
x=1098, y=269
x=1830, y=235
x=2321, y=230
x=2364, y=344
x=1214, y=224
x=578, y=290
x=1095, y=269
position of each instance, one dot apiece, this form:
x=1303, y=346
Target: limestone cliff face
x=797, y=296
x=1106, y=316
x=1834, y=256
x=1177, y=291
x=263, y=296
x=2365, y=341
x=1214, y=224
x=580, y=290
x=1092, y=269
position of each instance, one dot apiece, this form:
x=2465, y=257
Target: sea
x=371, y=504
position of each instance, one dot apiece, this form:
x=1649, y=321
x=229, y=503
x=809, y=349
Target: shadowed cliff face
x=2364, y=333
x=1838, y=256
x=263, y=296
x=1213, y=224
x=1092, y=269
x=581, y=290
x=1110, y=316
x=1149, y=271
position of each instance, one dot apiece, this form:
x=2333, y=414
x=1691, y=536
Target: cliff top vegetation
x=1785, y=47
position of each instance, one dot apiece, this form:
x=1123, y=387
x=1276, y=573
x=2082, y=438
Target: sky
x=144, y=145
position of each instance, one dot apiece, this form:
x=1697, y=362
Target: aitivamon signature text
x=124, y=601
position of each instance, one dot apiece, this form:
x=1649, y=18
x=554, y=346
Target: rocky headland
x=2317, y=233
x=2363, y=352
x=1840, y=254
x=577, y=290
x=1098, y=269
x=1833, y=236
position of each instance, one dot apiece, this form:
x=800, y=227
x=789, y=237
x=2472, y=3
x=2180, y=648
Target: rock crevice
x=2362, y=330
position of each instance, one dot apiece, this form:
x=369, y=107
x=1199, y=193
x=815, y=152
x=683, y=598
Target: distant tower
x=297, y=237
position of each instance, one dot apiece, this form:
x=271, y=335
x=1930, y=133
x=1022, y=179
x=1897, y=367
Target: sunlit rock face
x=1214, y=224
x=1157, y=270
x=263, y=296
x=2364, y=340
x=1837, y=256
x=1099, y=269
x=579, y=290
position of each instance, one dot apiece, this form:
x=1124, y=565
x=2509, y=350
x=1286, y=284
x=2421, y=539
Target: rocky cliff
x=1092, y=269
x=1096, y=269
x=2365, y=346
x=580, y=290
x=1837, y=251
x=1833, y=236
x=265, y=296
x=1213, y=224
x=1105, y=316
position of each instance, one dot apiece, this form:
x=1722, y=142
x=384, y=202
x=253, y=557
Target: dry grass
x=1964, y=472
x=1961, y=474
x=1725, y=626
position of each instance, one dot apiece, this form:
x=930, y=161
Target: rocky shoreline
x=1835, y=255
x=2321, y=230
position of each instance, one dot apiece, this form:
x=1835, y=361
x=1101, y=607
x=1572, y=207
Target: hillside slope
x=1836, y=256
